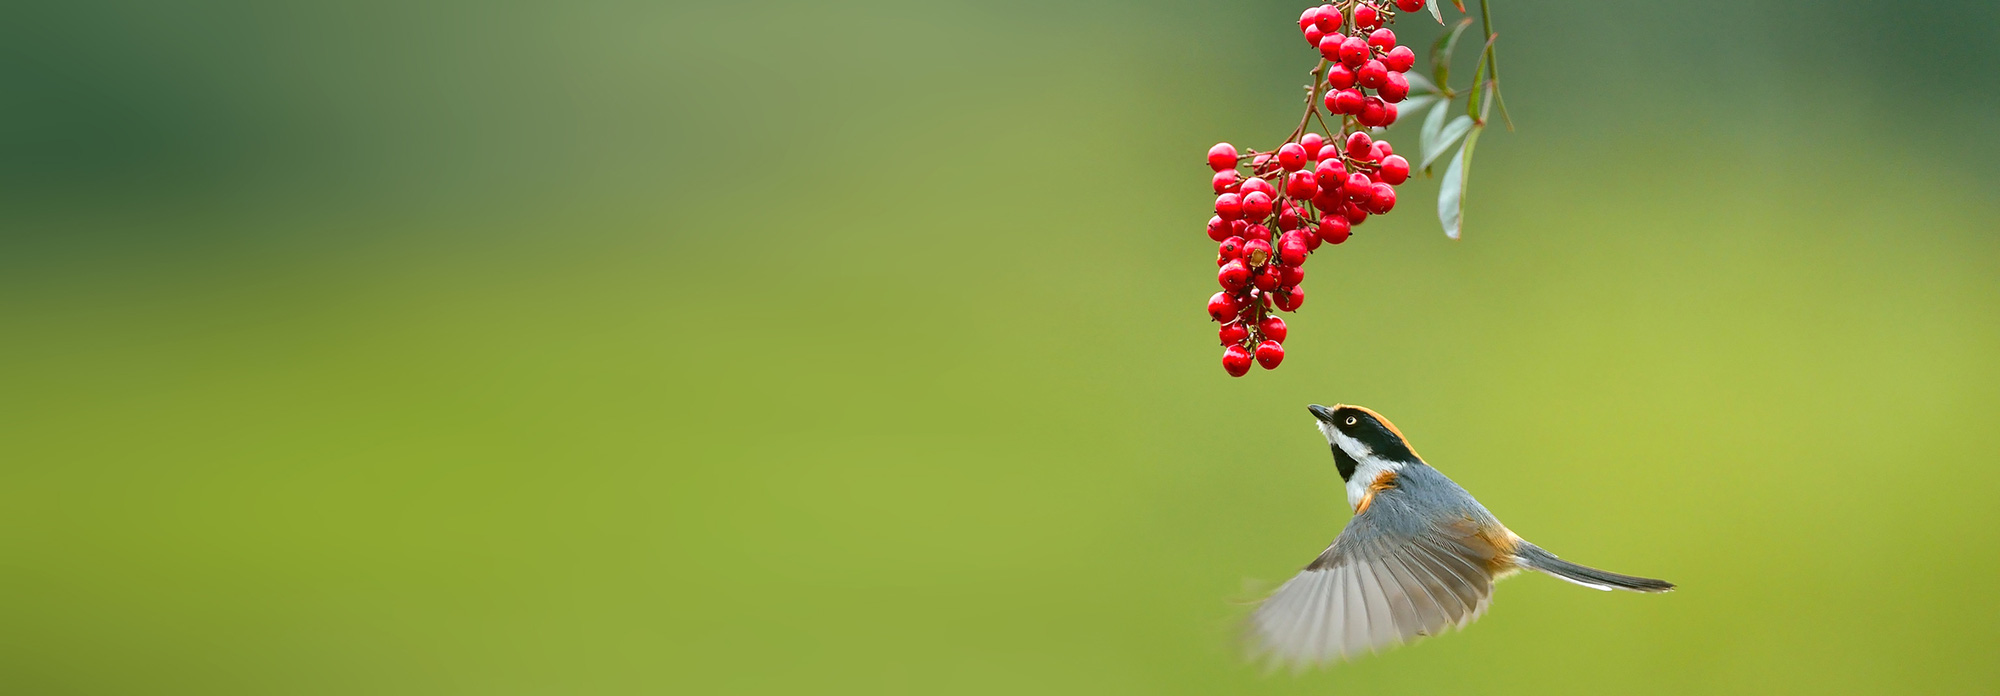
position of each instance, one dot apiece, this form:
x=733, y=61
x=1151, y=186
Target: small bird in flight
x=1420, y=555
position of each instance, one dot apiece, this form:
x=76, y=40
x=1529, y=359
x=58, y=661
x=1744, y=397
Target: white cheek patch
x=1347, y=444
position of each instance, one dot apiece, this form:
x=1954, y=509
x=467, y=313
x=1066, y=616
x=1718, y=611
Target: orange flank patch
x=1503, y=541
x=1384, y=481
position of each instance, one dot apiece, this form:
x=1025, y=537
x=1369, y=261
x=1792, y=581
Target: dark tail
x=1533, y=557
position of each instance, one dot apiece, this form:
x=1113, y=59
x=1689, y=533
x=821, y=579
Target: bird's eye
x=1351, y=420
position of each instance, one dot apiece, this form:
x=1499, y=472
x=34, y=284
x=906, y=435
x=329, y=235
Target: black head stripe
x=1374, y=432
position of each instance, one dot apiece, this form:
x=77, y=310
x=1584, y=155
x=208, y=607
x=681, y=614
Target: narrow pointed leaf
x=1451, y=133
x=1441, y=51
x=1479, y=81
x=1450, y=190
x=1435, y=14
x=1420, y=84
x=1413, y=105
x=1433, y=126
x=1457, y=177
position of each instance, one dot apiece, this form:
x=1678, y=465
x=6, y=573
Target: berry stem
x=1312, y=101
x=1493, y=63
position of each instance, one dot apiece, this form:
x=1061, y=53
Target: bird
x=1419, y=557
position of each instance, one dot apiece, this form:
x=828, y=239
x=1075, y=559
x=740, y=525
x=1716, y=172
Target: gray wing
x=1390, y=577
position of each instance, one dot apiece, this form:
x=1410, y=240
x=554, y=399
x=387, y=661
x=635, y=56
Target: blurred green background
x=601, y=347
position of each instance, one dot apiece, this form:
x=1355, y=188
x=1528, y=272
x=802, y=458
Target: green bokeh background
x=601, y=347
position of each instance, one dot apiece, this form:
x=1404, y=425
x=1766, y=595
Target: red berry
x=1357, y=186
x=1224, y=181
x=1353, y=51
x=1395, y=169
x=1400, y=59
x=1394, y=87
x=1288, y=218
x=1222, y=307
x=1292, y=156
x=1229, y=206
x=1313, y=36
x=1308, y=18
x=1312, y=244
x=1367, y=17
x=1382, y=39
x=1231, y=248
x=1236, y=360
x=1355, y=215
x=1383, y=199
x=1273, y=328
x=1329, y=19
x=1373, y=112
x=1256, y=205
x=1346, y=101
x=1409, y=5
x=1289, y=299
x=1234, y=275
x=1291, y=253
x=1312, y=142
x=1371, y=74
x=1256, y=252
x=1329, y=46
x=1256, y=232
x=1331, y=151
x=1269, y=354
x=1339, y=76
x=1388, y=114
x=1379, y=150
x=1293, y=275
x=1330, y=168
x=1266, y=278
x=1218, y=228
x=1301, y=185
x=1357, y=145
x=1222, y=156
x=1258, y=185
x=1334, y=228
x=1232, y=332
x=1330, y=197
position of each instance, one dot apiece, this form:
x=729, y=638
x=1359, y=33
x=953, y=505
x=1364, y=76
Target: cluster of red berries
x=1359, y=63
x=1326, y=184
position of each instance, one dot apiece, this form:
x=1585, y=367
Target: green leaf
x=1479, y=81
x=1434, y=12
x=1441, y=50
x=1413, y=105
x=1420, y=85
x=1433, y=126
x=1448, y=135
x=1451, y=192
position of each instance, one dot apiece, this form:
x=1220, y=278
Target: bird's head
x=1358, y=434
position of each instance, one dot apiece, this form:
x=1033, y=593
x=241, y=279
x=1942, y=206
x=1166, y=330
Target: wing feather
x=1386, y=580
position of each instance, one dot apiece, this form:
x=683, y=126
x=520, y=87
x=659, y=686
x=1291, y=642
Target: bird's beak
x=1321, y=412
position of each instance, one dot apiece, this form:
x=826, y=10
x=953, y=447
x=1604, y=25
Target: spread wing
x=1390, y=577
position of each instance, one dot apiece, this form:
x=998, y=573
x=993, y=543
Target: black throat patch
x=1344, y=462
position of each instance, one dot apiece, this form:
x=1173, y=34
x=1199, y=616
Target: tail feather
x=1533, y=557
